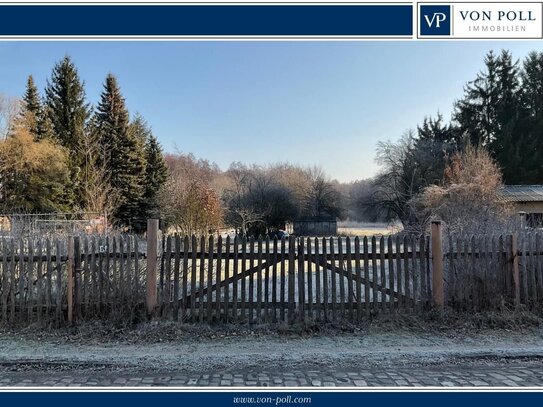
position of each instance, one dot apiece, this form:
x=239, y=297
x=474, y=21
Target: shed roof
x=522, y=193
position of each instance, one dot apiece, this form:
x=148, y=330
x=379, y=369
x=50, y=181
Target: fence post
x=152, y=255
x=516, y=272
x=437, y=264
x=70, y=270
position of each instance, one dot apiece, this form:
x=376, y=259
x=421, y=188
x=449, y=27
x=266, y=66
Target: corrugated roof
x=522, y=193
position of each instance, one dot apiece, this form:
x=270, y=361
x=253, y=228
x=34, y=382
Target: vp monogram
x=437, y=18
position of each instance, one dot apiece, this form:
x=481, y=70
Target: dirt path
x=271, y=352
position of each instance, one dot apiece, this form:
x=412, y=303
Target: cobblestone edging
x=500, y=376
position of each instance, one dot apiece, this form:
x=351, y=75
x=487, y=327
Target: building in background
x=528, y=201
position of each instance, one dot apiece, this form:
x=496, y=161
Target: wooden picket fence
x=295, y=279
x=239, y=280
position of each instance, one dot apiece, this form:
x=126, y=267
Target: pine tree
x=530, y=132
x=504, y=147
x=35, y=114
x=474, y=114
x=488, y=114
x=68, y=112
x=156, y=174
x=126, y=156
x=31, y=108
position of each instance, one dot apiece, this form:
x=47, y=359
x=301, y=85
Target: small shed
x=315, y=227
x=528, y=200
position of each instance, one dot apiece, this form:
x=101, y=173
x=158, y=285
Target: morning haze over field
x=326, y=104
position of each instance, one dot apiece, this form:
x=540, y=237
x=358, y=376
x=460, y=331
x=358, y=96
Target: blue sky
x=309, y=103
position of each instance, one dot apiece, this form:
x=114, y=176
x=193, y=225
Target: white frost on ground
x=276, y=353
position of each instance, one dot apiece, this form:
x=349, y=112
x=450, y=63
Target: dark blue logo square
x=435, y=20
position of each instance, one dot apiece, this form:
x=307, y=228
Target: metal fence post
x=152, y=255
x=437, y=264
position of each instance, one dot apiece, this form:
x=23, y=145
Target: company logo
x=435, y=20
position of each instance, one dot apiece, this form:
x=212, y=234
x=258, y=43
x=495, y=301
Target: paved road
x=503, y=375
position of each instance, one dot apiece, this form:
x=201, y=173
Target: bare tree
x=9, y=110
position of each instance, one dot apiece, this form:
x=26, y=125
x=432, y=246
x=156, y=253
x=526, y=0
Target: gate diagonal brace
x=322, y=262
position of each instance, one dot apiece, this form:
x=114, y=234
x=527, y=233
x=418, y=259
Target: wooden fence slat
x=123, y=273
x=227, y=277
x=508, y=273
x=318, y=297
x=474, y=274
x=350, y=293
x=342, y=276
x=325, y=292
x=382, y=277
x=93, y=278
x=116, y=292
x=300, y=275
x=259, y=281
x=414, y=274
x=291, y=279
x=422, y=270
x=218, y=279
x=107, y=274
x=5, y=290
x=309, y=280
x=367, y=297
x=408, y=293
x=533, y=273
x=235, y=280
x=209, y=281
x=166, y=299
x=201, y=281
x=283, y=278
x=194, y=250
x=12, y=282
x=21, y=281
x=83, y=288
x=485, y=270
x=251, y=279
x=49, y=282
x=451, y=282
x=176, y=275
x=333, y=303
x=30, y=279
x=274, y=281
x=244, y=279
x=538, y=269
x=375, y=297
x=186, y=243
x=59, y=282
x=40, y=286
x=267, y=280
x=522, y=264
x=390, y=251
x=399, y=276
x=137, y=282
x=358, y=271
x=130, y=275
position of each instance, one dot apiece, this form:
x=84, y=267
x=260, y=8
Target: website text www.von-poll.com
x=276, y=401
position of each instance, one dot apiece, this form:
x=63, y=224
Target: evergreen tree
x=125, y=153
x=68, y=111
x=31, y=108
x=35, y=114
x=530, y=132
x=488, y=114
x=156, y=172
x=474, y=113
x=504, y=147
